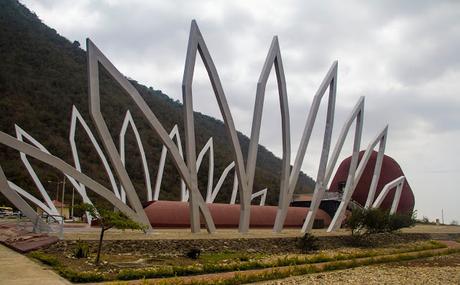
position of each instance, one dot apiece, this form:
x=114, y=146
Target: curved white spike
x=21, y=134
x=156, y=192
x=398, y=183
x=19, y=202
x=59, y=164
x=208, y=146
x=350, y=188
x=329, y=82
x=234, y=190
x=31, y=198
x=357, y=115
x=73, y=124
x=263, y=194
x=129, y=121
x=220, y=182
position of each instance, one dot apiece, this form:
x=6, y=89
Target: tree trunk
x=99, y=248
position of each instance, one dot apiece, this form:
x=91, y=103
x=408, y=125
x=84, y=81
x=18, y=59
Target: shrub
x=308, y=242
x=193, y=253
x=45, y=258
x=398, y=221
x=82, y=250
x=355, y=221
x=374, y=220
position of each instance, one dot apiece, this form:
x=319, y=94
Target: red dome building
x=390, y=171
x=173, y=214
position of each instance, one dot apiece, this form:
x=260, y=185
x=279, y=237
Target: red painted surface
x=390, y=171
x=176, y=214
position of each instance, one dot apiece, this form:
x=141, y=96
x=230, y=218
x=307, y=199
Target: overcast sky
x=404, y=56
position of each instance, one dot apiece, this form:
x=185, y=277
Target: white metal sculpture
x=329, y=82
x=398, y=183
x=76, y=116
x=188, y=167
x=161, y=166
x=262, y=194
x=197, y=203
x=32, y=198
x=129, y=121
x=18, y=202
x=353, y=181
x=356, y=114
x=20, y=134
x=66, y=169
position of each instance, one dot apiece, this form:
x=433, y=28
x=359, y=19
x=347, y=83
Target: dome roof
x=390, y=171
x=176, y=214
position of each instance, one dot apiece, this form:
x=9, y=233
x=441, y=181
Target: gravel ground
x=437, y=270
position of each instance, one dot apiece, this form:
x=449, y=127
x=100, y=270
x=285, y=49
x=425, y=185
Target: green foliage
x=81, y=250
x=375, y=220
x=111, y=219
x=45, y=258
x=42, y=74
x=336, y=261
x=308, y=242
x=398, y=221
x=355, y=220
x=81, y=276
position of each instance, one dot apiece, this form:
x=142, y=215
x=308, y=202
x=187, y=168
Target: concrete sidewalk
x=16, y=269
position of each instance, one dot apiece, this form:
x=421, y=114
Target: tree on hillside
x=109, y=219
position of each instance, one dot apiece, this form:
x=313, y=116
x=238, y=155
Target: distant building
x=63, y=209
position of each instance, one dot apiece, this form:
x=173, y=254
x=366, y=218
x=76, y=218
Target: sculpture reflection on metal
x=188, y=167
x=398, y=183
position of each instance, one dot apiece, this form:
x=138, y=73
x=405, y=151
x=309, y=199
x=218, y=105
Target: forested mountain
x=42, y=74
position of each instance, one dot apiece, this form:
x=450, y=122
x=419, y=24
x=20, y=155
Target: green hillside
x=42, y=74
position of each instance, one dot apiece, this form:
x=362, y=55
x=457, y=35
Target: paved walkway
x=17, y=269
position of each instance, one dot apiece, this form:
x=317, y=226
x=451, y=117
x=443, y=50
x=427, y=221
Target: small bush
x=374, y=220
x=193, y=253
x=355, y=221
x=81, y=250
x=45, y=258
x=308, y=242
x=398, y=221
x=81, y=277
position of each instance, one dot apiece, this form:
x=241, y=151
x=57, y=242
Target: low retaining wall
x=262, y=245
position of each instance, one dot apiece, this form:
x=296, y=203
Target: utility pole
x=442, y=216
x=57, y=190
x=62, y=202
x=73, y=190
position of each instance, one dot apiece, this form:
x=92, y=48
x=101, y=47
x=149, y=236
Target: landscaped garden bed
x=129, y=263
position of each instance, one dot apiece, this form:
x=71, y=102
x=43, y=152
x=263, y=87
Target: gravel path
x=437, y=270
